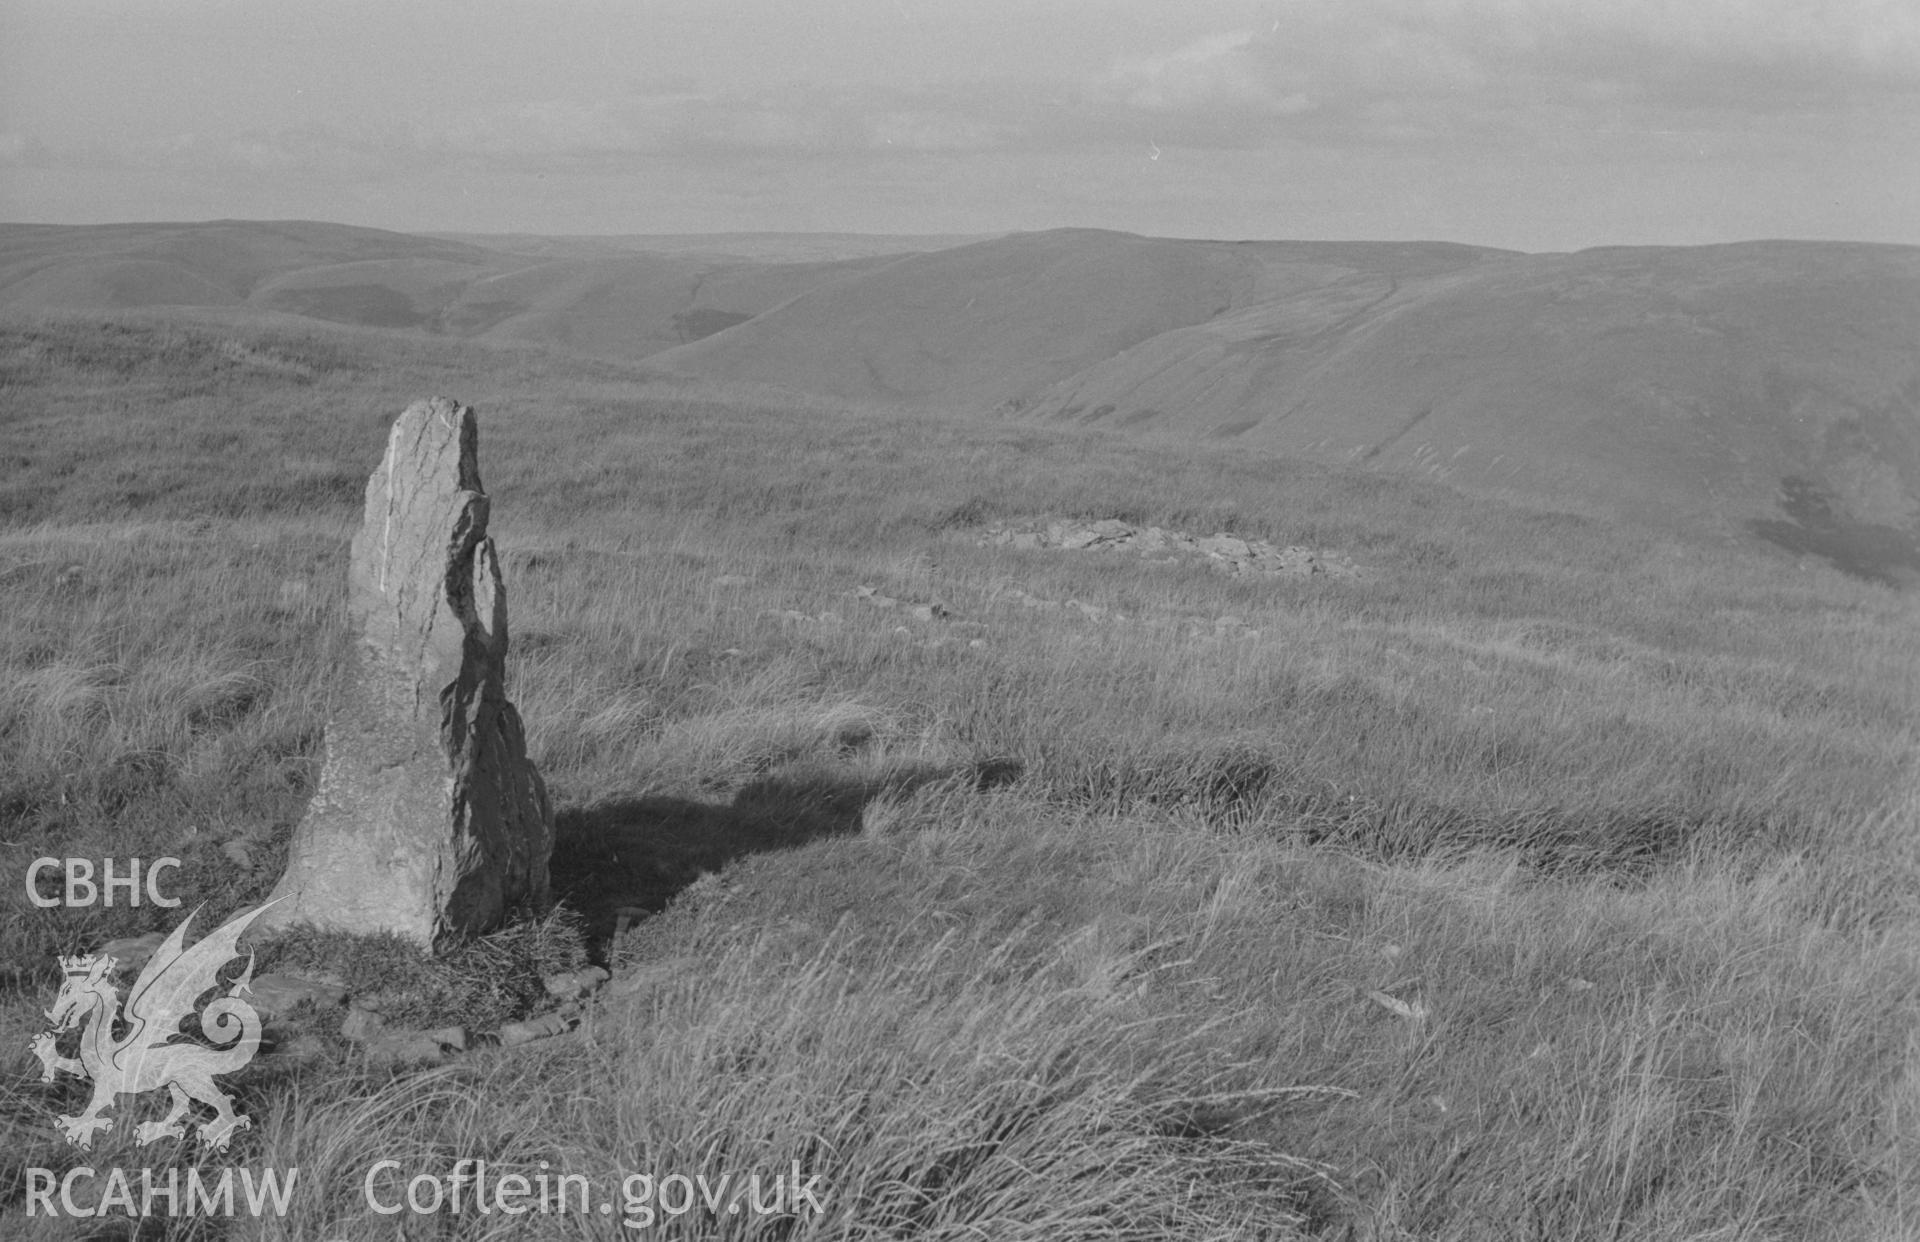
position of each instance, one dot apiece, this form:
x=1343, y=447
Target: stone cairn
x=429, y=821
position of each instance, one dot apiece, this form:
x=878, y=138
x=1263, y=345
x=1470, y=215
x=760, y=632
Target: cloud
x=315, y=150
x=541, y=128
x=1398, y=73
x=796, y=119
x=1410, y=69
x=1859, y=41
x=1218, y=74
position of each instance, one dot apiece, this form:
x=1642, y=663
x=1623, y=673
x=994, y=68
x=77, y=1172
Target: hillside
x=1766, y=389
x=1001, y=320
x=1014, y=886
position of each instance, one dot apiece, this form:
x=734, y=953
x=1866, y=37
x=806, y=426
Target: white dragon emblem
x=153, y=1053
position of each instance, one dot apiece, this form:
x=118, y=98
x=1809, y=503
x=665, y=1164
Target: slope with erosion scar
x=1685, y=384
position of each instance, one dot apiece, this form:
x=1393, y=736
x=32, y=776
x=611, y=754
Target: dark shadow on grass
x=640, y=852
x=1816, y=527
x=1625, y=847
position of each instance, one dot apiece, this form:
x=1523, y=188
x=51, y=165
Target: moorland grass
x=1555, y=879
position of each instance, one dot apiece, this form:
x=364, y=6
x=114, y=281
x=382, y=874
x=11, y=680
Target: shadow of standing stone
x=429, y=820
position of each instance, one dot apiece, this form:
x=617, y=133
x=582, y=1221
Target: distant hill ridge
x=611, y=297
x=1767, y=388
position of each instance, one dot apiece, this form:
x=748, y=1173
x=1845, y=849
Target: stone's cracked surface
x=1223, y=552
x=429, y=820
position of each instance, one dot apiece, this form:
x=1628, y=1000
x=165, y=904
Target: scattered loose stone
x=383, y=1001
x=1414, y=1011
x=1222, y=551
x=361, y=1025
x=573, y=984
x=923, y=610
x=559, y=1022
x=405, y=1048
x=429, y=820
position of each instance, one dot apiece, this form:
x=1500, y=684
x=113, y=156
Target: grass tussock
x=1554, y=880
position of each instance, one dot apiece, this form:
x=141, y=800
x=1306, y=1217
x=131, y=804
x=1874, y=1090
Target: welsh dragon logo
x=154, y=1053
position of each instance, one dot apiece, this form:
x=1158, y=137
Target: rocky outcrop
x=429, y=820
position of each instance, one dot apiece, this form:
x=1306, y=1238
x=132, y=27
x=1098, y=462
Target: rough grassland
x=1554, y=881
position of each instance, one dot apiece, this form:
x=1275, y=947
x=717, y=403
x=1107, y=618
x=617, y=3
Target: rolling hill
x=1764, y=388
x=1001, y=321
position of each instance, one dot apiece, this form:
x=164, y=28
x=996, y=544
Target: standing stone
x=429, y=820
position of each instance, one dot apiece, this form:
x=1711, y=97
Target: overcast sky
x=1535, y=124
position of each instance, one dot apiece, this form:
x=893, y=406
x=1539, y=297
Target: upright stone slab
x=429, y=819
